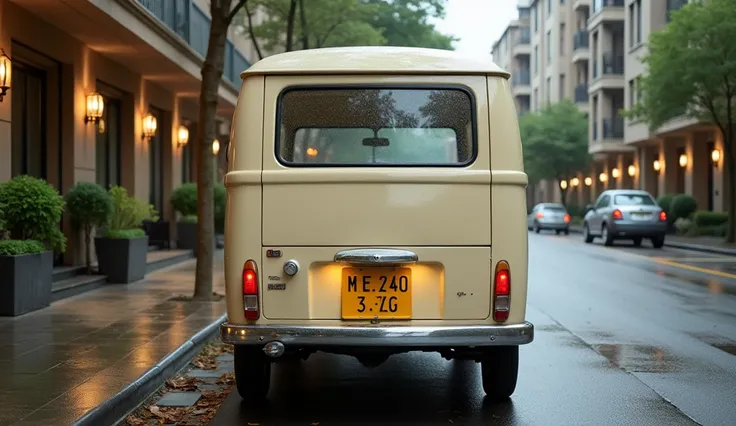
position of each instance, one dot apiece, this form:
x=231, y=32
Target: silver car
x=552, y=216
x=629, y=214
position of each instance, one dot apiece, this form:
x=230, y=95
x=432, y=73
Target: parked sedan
x=549, y=216
x=625, y=214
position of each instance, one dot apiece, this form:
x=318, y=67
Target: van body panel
x=445, y=283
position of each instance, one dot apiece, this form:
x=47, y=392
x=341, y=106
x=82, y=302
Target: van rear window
x=368, y=126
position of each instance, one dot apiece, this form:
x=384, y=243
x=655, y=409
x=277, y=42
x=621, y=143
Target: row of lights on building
x=96, y=107
x=715, y=155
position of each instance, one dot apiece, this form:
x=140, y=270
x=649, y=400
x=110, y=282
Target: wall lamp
x=603, y=177
x=563, y=185
x=657, y=165
x=615, y=173
x=588, y=181
x=95, y=108
x=149, y=126
x=183, y=136
x=683, y=160
x=715, y=155
x=632, y=170
x=215, y=147
x=6, y=73
x=574, y=182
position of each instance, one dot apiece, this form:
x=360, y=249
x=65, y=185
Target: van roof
x=375, y=60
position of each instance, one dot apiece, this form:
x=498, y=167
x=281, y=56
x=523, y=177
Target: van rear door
x=352, y=169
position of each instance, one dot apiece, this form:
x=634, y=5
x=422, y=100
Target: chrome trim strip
x=376, y=256
x=379, y=335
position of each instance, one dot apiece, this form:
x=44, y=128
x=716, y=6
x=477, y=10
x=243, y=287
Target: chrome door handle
x=376, y=256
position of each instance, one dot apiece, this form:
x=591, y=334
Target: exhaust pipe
x=274, y=349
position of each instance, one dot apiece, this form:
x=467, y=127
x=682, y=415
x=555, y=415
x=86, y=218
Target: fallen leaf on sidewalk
x=183, y=383
x=226, y=379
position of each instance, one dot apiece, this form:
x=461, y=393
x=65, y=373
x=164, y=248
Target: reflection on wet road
x=621, y=338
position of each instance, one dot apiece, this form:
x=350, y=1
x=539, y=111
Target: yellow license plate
x=381, y=292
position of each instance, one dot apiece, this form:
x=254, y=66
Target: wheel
x=499, y=371
x=658, y=241
x=586, y=234
x=537, y=229
x=567, y=231
x=557, y=232
x=252, y=372
x=637, y=241
x=607, y=237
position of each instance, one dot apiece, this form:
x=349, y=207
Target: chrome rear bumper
x=368, y=335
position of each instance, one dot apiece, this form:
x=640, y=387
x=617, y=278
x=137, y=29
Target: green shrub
x=32, y=210
x=665, y=202
x=89, y=205
x=188, y=219
x=19, y=247
x=220, y=206
x=704, y=218
x=575, y=210
x=683, y=205
x=128, y=214
x=184, y=199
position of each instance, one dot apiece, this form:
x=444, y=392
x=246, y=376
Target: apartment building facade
x=140, y=60
x=607, y=42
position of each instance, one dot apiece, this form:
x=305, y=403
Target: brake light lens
x=250, y=290
x=502, y=291
x=663, y=216
x=617, y=215
x=567, y=218
x=540, y=215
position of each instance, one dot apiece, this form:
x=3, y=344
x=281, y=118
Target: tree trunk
x=290, y=26
x=211, y=76
x=87, y=250
x=730, y=167
x=303, y=23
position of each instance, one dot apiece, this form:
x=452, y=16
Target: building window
x=549, y=6
x=108, y=146
x=28, y=125
x=561, y=95
x=631, y=24
x=562, y=39
x=536, y=19
x=638, y=21
x=549, y=46
x=536, y=99
x=547, y=90
x=536, y=59
x=632, y=93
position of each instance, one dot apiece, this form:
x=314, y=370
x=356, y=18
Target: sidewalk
x=713, y=245
x=58, y=363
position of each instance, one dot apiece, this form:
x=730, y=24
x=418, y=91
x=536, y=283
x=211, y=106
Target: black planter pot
x=186, y=236
x=25, y=283
x=123, y=260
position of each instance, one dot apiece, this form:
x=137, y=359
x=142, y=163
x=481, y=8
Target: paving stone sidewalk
x=58, y=363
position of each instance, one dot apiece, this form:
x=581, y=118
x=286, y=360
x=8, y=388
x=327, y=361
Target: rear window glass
x=376, y=127
x=554, y=208
x=633, y=200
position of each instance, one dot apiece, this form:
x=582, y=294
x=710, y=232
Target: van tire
x=252, y=373
x=499, y=371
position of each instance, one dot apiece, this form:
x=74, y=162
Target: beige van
x=376, y=205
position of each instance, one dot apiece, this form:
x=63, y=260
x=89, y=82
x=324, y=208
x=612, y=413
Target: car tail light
x=502, y=292
x=250, y=290
x=663, y=216
x=617, y=215
x=567, y=218
x=540, y=215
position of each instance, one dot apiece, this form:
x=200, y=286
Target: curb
x=114, y=409
x=684, y=246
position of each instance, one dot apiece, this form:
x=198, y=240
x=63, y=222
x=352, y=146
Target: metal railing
x=580, y=40
x=525, y=36
x=600, y=4
x=581, y=93
x=613, y=64
x=190, y=23
x=521, y=78
x=613, y=128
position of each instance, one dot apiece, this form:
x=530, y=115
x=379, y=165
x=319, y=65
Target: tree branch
x=250, y=31
x=321, y=42
x=235, y=11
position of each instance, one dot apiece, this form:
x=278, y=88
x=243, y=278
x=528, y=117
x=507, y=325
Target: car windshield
x=634, y=200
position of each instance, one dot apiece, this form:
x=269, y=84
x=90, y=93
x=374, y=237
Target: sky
x=477, y=23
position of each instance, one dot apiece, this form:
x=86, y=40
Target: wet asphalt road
x=624, y=336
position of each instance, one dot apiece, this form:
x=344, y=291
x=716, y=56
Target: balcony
x=521, y=78
x=613, y=64
x=613, y=128
x=192, y=25
x=580, y=43
x=523, y=44
x=581, y=93
x=580, y=4
x=606, y=11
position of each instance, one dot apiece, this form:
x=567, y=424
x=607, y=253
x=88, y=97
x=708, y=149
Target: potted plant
x=89, y=205
x=121, y=251
x=184, y=201
x=30, y=212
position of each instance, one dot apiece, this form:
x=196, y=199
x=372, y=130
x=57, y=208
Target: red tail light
x=540, y=215
x=617, y=215
x=250, y=290
x=502, y=292
x=663, y=216
x=567, y=218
